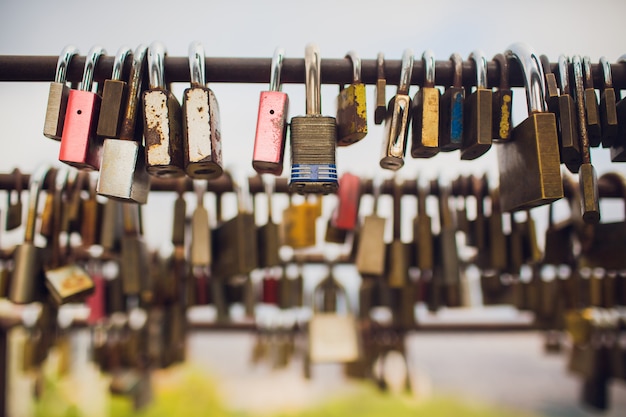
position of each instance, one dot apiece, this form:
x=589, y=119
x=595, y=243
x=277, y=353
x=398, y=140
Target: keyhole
x=271, y=111
x=79, y=111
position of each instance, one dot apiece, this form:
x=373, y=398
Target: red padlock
x=270, y=289
x=271, y=127
x=349, y=195
x=80, y=147
x=97, y=300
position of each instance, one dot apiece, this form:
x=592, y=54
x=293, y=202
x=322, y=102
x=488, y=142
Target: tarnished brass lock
x=268, y=235
x=57, y=96
x=559, y=248
x=477, y=123
x=397, y=257
x=14, y=209
x=202, y=143
x=123, y=174
x=114, y=98
x=352, y=107
x=426, y=113
x=422, y=232
x=448, y=250
x=162, y=120
x=381, y=87
x=398, y=118
x=608, y=101
x=496, y=238
x=298, y=225
x=532, y=152
x=590, y=101
x=271, y=125
x=502, y=102
x=452, y=104
x=134, y=255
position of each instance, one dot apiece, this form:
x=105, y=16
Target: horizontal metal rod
x=257, y=70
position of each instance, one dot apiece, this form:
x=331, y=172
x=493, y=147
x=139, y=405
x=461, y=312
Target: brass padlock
x=134, y=256
x=58, y=94
x=426, y=113
x=532, y=152
x=298, y=225
x=268, y=235
x=370, y=257
x=477, y=123
x=608, y=101
x=352, y=107
x=590, y=102
x=397, y=254
x=114, y=98
x=14, y=209
x=565, y=110
x=618, y=149
x=448, y=250
x=502, y=102
x=422, y=232
x=496, y=238
x=558, y=240
x=381, y=87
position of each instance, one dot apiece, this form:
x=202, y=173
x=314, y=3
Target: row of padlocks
x=129, y=134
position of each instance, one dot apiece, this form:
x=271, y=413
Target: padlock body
x=55, y=110
x=313, y=143
x=425, y=123
x=608, y=116
x=349, y=194
x=200, y=250
x=163, y=134
x=529, y=164
x=68, y=284
x=133, y=265
x=371, y=252
x=422, y=232
x=397, y=264
x=592, y=112
x=569, y=142
x=80, y=147
x=271, y=133
x=477, y=124
x=351, y=115
x=27, y=278
x=381, y=101
x=123, y=174
x=396, y=132
x=91, y=213
x=452, y=103
x=235, y=251
x=299, y=226
x=114, y=98
x=268, y=243
x=502, y=110
x=202, y=134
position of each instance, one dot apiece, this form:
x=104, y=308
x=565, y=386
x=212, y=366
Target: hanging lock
x=422, y=232
x=80, y=147
x=448, y=251
x=371, y=255
x=134, y=253
x=426, y=113
x=618, y=148
x=268, y=235
x=162, y=120
x=352, y=107
x=565, y=111
x=200, y=248
x=397, y=254
x=26, y=284
x=588, y=180
x=532, y=151
x=592, y=111
x=271, y=125
x=57, y=96
x=114, y=98
x=123, y=173
x=345, y=217
x=202, y=144
x=398, y=118
x=477, y=123
x=451, y=105
x=381, y=87
x=14, y=209
x=502, y=102
x=313, y=137
x=608, y=111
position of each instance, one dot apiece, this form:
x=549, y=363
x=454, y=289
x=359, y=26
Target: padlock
x=608, y=111
x=422, y=232
x=27, y=278
x=496, y=238
x=235, y=251
x=123, y=173
x=381, y=87
x=502, y=103
x=532, y=152
x=271, y=125
x=550, y=85
x=162, y=126
x=91, y=213
x=426, y=113
x=134, y=255
x=179, y=219
x=592, y=111
x=14, y=209
x=398, y=118
x=349, y=196
x=114, y=98
x=588, y=181
x=298, y=226
x=313, y=137
x=477, y=235
x=477, y=123
x=370, y=257
x=618, y=149
x=397, y=257
x=80, y=147
x=352, y=107
x=558, y=241
x=514, y=247
x=449, y=253
x=200, y=250
x=57, y=96
x=268, y=235
x=452, y=104
x=202, y=143
x=565, y=110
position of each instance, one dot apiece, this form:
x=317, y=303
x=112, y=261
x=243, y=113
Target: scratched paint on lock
x=198, y=121
x=430, y=124
x=505, y=112
x=216, y=129
x=157, y=127
x=457, y=118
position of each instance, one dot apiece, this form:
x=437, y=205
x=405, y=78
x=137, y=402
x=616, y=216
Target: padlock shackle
x=34, y=189
x=200, y=187
x=428, y=58
x=63, y=63
x=312, y=80
x=503, y=66
x=377, y=184
x=380, y=66
x=127, y=131
x=578, y=69
x=156, y=65
x=445, y=215
x=356, y=66
x=588, y=75
x=406, y=72
x=197, y=64
x=533, y=76
x=480, y=62
x=118, y=62
x=563, y=79
x=90, y=66
x=607, y=76
x=277, y=66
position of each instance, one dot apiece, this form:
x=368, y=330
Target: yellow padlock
x=351, y=107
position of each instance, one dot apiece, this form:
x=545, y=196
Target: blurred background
x=474, y=372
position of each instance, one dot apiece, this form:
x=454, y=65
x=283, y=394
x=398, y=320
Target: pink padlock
x=349, y=195
x=80, y=147
x=271, y=128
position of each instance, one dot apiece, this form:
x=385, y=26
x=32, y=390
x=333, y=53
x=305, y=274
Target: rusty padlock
x=352, y=107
